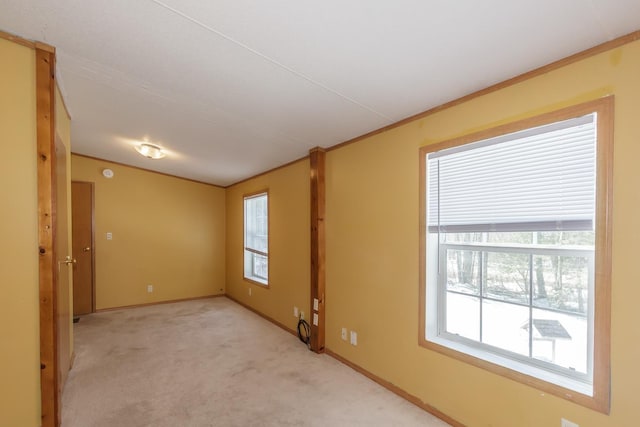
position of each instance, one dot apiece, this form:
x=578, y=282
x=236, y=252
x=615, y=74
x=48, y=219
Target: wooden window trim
x=604, y=107
x=244, y=278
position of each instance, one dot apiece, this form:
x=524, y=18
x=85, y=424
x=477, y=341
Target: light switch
x=315, y=304
x=315, y=319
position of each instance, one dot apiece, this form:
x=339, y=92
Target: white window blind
x=534, y=180
x=256, y=224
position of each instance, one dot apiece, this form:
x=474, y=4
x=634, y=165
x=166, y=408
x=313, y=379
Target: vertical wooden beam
x=317, y=160
x=45, y=117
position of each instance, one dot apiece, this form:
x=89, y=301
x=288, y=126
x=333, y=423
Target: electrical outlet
x=354, y=338
x=149, y=288
x=343, y=334
x=296, y=312
x=567, y=423
x=109, y=236
x=315, y=319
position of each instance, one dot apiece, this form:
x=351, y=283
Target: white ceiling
x=234, y=88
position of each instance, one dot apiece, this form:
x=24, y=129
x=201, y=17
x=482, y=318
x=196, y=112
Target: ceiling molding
x=145, y=170
x=604, y=47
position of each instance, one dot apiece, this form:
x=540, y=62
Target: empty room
x=288, y=213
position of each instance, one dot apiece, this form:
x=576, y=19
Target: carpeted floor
x=213, y=363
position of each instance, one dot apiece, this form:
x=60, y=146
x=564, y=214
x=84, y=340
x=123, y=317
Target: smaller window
x=256, y=238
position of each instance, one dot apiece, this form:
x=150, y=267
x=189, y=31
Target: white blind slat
x=256, y=223
x=541, y=177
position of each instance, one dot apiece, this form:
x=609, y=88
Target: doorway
x=82, y=201
x=64, y=262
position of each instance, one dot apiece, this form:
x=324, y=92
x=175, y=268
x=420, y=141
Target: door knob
x=68, y=260
x=87, y=249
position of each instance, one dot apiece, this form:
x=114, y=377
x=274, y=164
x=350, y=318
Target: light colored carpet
x=213, y=363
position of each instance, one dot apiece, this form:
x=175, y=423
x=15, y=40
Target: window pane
x=463, y=316
x=463, y=237
x=514, y=237
x=504, y=326
x=560, y=339
x=463, y=271
x=507, y=277
x=256, y=223
x=260, y=266
x=567, y=238
x=561, y=283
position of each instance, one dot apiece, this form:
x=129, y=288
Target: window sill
x=257, y=281
x=549, y=382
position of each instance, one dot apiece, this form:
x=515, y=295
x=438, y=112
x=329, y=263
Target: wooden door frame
x=93, y=240
x=48, y=280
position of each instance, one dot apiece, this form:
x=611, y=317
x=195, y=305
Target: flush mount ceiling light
x=150, y=151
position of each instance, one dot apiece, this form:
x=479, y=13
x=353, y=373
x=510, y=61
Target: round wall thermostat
x=107, y=173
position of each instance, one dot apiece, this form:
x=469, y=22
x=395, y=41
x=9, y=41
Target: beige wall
x=19, y=316
x=289, y=247
x=372, y=251
x=167, y=232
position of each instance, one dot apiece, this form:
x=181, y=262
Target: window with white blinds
x=256, y=238
x=539, y=179
x=515, y=257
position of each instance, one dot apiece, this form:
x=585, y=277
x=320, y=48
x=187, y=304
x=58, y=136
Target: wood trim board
x=17, y=39
x=125, y=307
x=604, y=47
x=384, y=383
x=268, y=171
x=45, y=117
x=317, y=262
x=396, y=390
x=145, y=170
x=264, y=316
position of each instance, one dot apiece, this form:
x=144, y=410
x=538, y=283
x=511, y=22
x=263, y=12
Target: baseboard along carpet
x=214, y=363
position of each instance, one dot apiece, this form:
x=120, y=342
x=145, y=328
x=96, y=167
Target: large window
x=516, y=251
x=256, y=238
